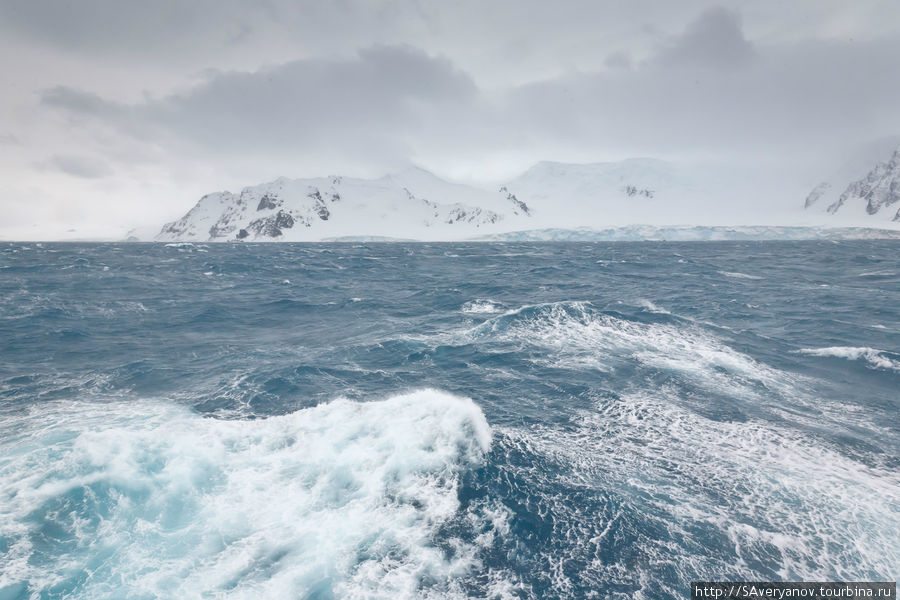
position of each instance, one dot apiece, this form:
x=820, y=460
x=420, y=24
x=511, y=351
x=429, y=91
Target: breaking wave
x=577, y=335
x=633, y=446
x=650, y=306
x=344, y=499
x=874, y=359
x=482, y=307
x=691, y=497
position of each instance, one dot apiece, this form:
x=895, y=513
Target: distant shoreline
x=633, y=233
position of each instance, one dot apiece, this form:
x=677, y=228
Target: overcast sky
x=117, y=113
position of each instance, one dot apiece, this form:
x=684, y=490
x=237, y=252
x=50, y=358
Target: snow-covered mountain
x=874, y=195
x=416, y=204
x=636, y=190
x=413, y=203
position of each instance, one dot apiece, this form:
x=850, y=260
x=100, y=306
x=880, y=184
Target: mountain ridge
x=877, y=192
x=417, y=204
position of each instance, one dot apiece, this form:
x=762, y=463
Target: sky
x=122, y=113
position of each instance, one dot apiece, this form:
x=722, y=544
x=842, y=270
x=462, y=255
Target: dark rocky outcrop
x=271, y=226
x=520, y=207
x=631, y=191
x=880, y=188
x=268, y=202
x=816, y=193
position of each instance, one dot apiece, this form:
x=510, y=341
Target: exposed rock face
x=195, y=226
x=319, y=206
x=878, y=192
x=880, y=188
x=286, y=209
x=816, y=193
x=267, y=202
x=271, y=226
x=632, y=191
x=415, y=204
x=471, y=215
x=520, y=208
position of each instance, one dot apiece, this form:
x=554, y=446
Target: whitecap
x=874, y=358
x=737, y=275
x=877, y=274
x=782, y=502
x=578, y=336
x=482, y=307
x=341, y=499
x=650, y=306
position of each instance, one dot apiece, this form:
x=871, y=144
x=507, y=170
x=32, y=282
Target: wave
x=877, y=274
x=345, y=499
x=187, y=246
x=683, y=497
x=482, y=307
x=575, y=335
x=736, y=275
x=651, y=307
x=874, y=358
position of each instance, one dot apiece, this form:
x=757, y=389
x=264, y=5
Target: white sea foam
x=784, y=504
x=344, y=498
x=481, y=307
x=579, y=336
x=650, y=306
x=874, y=358
x=736, y=275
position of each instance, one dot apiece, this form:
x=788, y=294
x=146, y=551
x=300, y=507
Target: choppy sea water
x=608, y=420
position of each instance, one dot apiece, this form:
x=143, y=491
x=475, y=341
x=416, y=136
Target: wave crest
x=345, y=498
x=780, y=504
x=482, y=307
x=580, y=336
x=874, y=358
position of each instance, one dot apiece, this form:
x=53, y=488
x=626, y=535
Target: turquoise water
x=521, y=420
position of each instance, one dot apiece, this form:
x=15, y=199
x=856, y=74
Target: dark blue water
x=446, y=420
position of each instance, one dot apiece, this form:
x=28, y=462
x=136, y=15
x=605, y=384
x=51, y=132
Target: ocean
x=473, y=420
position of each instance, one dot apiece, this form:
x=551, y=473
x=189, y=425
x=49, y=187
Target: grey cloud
x=189, y=36
x=789, y=103
x=100, y=25
x=77, y=166
x=715, y=39
x=467, y=88
x=76, y=101
x=198, y=33
x=369, y=103
x=390, y=103
x=618, y=60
